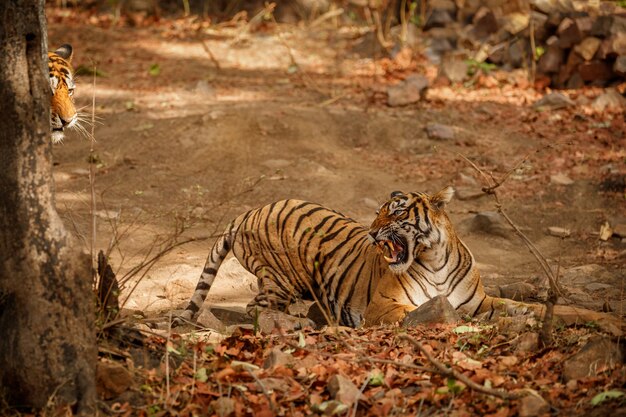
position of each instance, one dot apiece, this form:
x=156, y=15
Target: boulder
x=436, y=310
x=532, y=405
x=112, y=379
x=409, y=91
x=598, y=355
x=439, y=132
x=342, y=389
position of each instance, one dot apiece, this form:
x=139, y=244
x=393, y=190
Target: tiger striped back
x=299, y=250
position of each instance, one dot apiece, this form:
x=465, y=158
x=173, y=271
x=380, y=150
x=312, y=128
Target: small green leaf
x=293, y=68
x=603, y=396
x=201, y=375
x=540, y=50
x=154, y=70
x=376, y=378
x=172, y=349
x=466, y=329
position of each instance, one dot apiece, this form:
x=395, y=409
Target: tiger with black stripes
x=427, y=259
x=410, y=254
x=299, y=250
x=63, y=113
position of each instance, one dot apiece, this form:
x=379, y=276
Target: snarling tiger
x=63, y=113
x=410, y=254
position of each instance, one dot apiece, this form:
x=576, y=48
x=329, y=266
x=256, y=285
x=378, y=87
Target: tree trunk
x=47, y=339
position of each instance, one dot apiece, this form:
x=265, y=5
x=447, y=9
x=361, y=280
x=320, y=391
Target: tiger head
x=62, y=110
x=408, y=224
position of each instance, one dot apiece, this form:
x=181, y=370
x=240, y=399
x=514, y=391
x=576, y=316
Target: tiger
x=358, y=275
x=426, y=259
x=63, y=113
x=298, y=250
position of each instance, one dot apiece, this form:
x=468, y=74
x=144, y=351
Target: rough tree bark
x=47, y=340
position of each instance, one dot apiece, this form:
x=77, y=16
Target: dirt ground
x=300, y=112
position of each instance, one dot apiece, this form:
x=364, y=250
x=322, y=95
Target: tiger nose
x=65, y=122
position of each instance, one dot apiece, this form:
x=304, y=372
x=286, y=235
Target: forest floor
x=185, y=142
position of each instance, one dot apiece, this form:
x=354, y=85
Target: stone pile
x=577, y=42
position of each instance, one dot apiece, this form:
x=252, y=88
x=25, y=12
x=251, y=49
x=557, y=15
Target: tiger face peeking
x=63, y=113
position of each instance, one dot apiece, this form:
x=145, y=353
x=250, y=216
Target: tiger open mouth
x=393, y=252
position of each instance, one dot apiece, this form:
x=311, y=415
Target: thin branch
x=452, y=373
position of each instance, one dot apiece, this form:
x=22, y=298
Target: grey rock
x=598, y=355
x=561, y=179
x=594, y=286
x=489, y=222
x=551, y=61
x=558, y=231
x=409, y=91
x=528, y=342
x=553, y=101
x=343, y=390
x=620, y=65
x=277, y=357
x=436, y=310
x=112, y=379
x=439, y=132
x=532, y=405
x=207, y=320
x=588, y=47
x=269, y=320
x=223, y=406
x=454, y=68
x=612, y=99
x=518, y=291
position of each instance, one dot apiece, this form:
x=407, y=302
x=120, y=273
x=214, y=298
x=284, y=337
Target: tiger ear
x=396, y=194
x=442, y=198
x=65, y=52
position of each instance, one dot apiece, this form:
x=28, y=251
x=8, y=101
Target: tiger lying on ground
x=62, y=111
x=301, y=250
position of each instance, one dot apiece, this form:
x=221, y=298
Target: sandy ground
x=195, y=145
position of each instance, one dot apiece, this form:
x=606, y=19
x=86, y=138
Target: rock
x=550, y=62
x=342, y=389
x=516, y=22
x=276, y=163
x=527, y=342
x=208, y=320
x=112, y=379
x=454, y=68
x=468, y=193
x=203, y=88
x=545, y=6
x=277, y=357
x=409, y=91
x=438, y=18
x=435, y=310
x=532, y=405
x=223, y=406
x=485, y=23
x=605, y=26
x=517, y=52
x=489, y=222
x=571, y=66
x=620, y=65
x=518, y=291
x=598, y=355
x=612, y=100
x=569, y=34
x=439, y=132
x=268, y=320
x=595, y=71
x=588, y=47
x=558, y=231
x=619, y=230
x=553, y=101
x=561, y=179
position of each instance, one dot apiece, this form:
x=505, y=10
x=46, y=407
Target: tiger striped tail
x=219, y=251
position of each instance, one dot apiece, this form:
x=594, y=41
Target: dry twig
x=452, y=373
